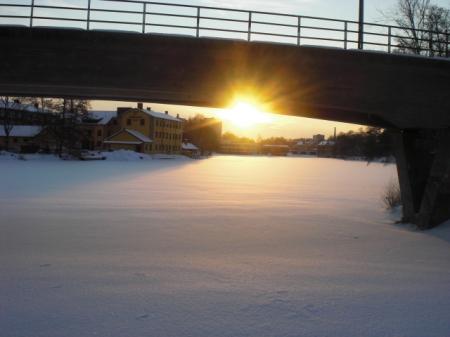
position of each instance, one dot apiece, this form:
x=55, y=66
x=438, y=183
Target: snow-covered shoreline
x=119, y=155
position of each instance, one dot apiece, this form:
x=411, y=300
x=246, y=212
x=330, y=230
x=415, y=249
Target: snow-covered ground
x=229, y=246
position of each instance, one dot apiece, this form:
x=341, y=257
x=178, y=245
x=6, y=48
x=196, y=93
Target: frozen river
x=229, y=246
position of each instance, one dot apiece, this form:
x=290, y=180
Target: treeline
x=368, y=143
x=59, y=118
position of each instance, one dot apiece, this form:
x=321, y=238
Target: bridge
x=205, y=56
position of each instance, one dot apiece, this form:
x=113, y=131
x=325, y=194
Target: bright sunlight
x=245, y=114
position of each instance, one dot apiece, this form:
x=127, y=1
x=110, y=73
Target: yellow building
x=145, y=130
x=96, y=127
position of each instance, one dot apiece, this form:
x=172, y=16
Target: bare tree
x=66, y=128
x=7, y=118
x=426, y=27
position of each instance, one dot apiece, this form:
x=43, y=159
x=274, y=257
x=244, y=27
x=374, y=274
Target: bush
x=392, y=196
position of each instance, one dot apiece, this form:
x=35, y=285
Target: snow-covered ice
x=229, y=246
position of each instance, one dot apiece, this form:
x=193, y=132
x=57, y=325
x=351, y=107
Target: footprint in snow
x=140, y=275
x=142, y=317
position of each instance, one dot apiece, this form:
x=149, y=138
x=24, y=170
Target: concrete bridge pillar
x=423, y=165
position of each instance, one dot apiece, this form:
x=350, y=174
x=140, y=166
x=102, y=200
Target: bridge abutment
x=423, y=165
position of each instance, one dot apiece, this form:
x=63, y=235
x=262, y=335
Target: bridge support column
x=423, y=165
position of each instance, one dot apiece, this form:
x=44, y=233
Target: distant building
x=275, y=150
x=24, y=114
x=305, y=147
x=318, y=138
x=326, y=148
x=190, y=150
x=22, y=138
x=243, y=148
x=145, y=130
x=96, y=127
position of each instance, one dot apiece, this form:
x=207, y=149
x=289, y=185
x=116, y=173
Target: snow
x=125, y=155
x=103, y=117
x=189, y=147
x=225, y=247
x=106, y=116
x=327, y=142
x=22, y=131
x=161, y=115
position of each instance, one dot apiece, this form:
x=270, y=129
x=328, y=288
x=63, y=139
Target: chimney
x=16, y=101
x=149, y=108
x=36, y=105
x=178, y=116
x=140, y=105
x=167, y=112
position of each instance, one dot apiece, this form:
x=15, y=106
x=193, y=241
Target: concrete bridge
x=407, y=94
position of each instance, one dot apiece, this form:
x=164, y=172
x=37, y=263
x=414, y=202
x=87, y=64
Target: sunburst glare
x=245, y=113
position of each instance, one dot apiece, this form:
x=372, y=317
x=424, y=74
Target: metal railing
x=202, y=21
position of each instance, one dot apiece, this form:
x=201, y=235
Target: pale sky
x=291, y=127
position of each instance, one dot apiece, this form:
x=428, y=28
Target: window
x=142, y=121
x=128, y=121
x=99, y=132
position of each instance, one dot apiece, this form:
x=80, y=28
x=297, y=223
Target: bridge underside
x=407, y=94
x=348, y=86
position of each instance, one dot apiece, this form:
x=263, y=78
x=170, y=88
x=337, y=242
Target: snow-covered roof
x=22, y=131
x=121, y=142
x=24, y=107
x=139, y=136
x=326, y=142
x=189, y=146
x=161, y=115
x=102, y=117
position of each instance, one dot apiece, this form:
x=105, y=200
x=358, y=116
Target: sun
x=245, y=114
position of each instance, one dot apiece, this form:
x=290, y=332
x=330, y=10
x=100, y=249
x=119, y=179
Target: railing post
x=389, y=39
x=345, y=34
x=249, y=37
x=299, y=30
x=88, y=25
x=31, y=13
x=446, y=43
x=144, y=15
x=430, y=45
x=198, y=22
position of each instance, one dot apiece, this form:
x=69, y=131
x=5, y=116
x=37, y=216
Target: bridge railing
x=201, y=21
